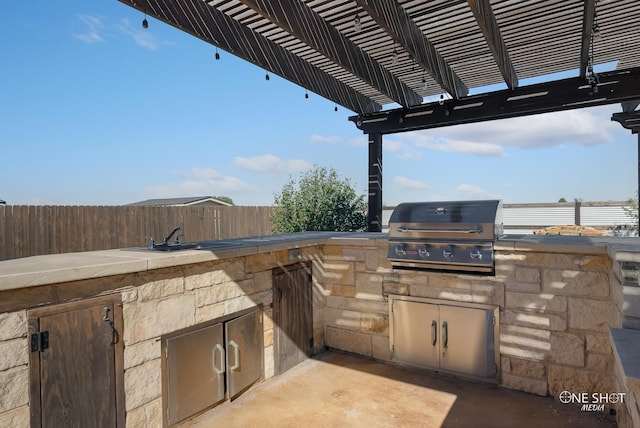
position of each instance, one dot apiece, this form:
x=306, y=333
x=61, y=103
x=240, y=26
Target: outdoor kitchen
x=173, y=333
x=541, y=313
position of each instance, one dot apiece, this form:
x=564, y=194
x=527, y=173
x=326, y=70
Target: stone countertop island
x=47, y=269
x=557, y=297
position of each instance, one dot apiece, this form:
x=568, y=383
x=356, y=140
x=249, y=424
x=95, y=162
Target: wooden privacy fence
x=35, y=230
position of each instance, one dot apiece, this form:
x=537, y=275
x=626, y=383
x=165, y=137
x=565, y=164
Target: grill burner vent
x=456, y=235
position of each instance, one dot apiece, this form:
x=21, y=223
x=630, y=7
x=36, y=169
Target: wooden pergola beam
x=587, y=30
x=302, y=22
x=208, y=24
x=391, y=17
x=628, y=120
x=486, y=19
x=567, y=94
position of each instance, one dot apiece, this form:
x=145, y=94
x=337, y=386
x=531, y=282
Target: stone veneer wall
x=155, y=303
x=554, y=333
x=14, y=372
x=555, y=311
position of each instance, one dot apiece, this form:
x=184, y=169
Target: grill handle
x=445, y=334
x=434, y=332
x=477, y=229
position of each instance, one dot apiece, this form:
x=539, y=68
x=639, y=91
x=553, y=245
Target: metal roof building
x=183, y=202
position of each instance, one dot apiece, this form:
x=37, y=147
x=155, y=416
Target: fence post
x=577, y=214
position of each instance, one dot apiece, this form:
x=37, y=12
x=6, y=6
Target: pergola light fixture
x=394, y=57
x=357, y=25
x=592, y=77
x=595, y=28
x=266, y=76
x=145, y=23
x=217, y=54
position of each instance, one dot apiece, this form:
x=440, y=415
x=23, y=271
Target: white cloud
x=272, y=165
x=469, y=191
x=143, y=37
x=452, y=145
x=582, y=127
x=331, y=139
x=401, y=149
x=198, y=181
x=92, y=35
x=96, y=27
x=358, y=142
x=408, y=184
x=297, y=165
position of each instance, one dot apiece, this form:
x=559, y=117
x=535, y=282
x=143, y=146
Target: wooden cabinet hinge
x=39, y=341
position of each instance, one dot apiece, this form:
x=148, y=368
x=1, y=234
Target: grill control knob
x=400, y=251
x=447, y=253
x=423, y=252
x=476, y=254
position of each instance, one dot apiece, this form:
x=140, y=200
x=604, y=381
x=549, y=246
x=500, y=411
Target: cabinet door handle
x=220, y=349
x=445, y=334
x=236, y=355
x=434, y=332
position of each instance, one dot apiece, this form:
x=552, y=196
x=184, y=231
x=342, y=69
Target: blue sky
x=96, y=110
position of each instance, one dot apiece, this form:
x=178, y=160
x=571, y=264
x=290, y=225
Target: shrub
x=320, y=200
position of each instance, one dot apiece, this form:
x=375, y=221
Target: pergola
x=382, y=58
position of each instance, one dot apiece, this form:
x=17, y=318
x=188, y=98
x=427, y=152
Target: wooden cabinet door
x=76, y=365
x=292, y=316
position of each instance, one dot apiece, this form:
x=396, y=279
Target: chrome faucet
x=165, y=241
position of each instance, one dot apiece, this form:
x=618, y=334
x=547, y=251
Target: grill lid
x=467, y=220
x=445, y=235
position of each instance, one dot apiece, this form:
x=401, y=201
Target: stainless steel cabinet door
x=195, y=371
x=466, y=341
x=415, y=333
x=244, y=352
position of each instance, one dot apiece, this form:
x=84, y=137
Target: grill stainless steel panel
x=455, y=235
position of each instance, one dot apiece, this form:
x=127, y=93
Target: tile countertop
x=55, y=268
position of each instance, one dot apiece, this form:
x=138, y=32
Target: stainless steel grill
x=456, y=235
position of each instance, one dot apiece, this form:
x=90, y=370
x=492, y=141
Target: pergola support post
x=374, y=216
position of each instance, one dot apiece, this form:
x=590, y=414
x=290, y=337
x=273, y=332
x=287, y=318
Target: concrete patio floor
x=342, y=390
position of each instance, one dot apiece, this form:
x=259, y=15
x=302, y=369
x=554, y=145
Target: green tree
x=225, y=199
x=320, y=200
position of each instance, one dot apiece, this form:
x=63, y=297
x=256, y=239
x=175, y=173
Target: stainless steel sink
x=204, y=246
x=175, y=246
